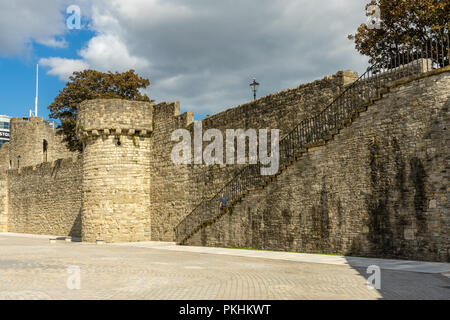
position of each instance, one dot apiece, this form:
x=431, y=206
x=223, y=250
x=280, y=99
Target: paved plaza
x=33, y=268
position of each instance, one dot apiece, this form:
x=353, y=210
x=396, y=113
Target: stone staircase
x=310, y=133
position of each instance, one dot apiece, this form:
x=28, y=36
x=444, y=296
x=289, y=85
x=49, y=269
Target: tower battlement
x=34, y=141
x=104, y=117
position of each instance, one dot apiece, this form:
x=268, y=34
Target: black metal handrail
x=319, y=128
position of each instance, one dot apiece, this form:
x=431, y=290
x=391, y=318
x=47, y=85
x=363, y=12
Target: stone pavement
x=32, y=268
x=400, y=265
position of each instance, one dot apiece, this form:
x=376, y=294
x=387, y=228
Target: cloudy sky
x=203, y=53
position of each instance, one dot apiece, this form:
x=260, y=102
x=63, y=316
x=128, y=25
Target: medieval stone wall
x=176, y=190
x=283, y=110
x=116, y=170
x=170, y=187
x=380, y=188
x=4, y=160
x=46, y=199
x=114, y=114
x=3, y=203
x=33, y=141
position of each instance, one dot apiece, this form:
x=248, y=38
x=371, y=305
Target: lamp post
x=254, y=86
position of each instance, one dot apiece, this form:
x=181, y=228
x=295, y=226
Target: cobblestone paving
x=36, y=269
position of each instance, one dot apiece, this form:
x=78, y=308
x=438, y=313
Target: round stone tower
x=116, y=169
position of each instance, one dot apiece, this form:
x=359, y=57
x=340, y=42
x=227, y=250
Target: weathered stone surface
x=46, y=199
x=177, y=190
x=380, y=188
x=170, y=184
x=113, y=114
x=28, y=138
x=4, y=160
x=116, y=171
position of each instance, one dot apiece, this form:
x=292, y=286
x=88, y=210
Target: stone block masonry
x=34, y=142
x=46, y=199
x=177, y=190
x=131, y=190
x=24, y=197
x=4, y=159
x=379, y=189
x=116, y=170
x=170, y=190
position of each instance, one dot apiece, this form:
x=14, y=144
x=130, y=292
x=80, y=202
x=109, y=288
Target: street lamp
x=254, y=86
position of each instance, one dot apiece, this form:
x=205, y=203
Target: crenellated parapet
x=116, y=117
x=167, y=114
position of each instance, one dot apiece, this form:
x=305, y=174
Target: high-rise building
x=4, y=129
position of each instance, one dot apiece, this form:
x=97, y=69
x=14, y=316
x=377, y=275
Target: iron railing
x=316, y=130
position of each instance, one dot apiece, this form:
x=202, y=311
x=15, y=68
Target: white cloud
x=109, y=53
x=63, y=68
x=104, y=53
x=25, y=21
x=204, y=53
x=53, y=42
x=156, y=11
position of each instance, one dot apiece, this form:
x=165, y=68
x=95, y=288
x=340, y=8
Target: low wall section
x=46, y=199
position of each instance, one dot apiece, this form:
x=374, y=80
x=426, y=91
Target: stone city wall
x=116, y=170
x=138, y=181
x=46, y=199
x=28, y=137
x=380, y=188
x=177, y=190
x=170, y=184
x=4, y=160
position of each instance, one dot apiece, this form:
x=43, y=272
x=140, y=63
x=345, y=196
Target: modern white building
x=4, y=129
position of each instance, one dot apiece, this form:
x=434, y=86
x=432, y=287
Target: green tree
x=88, y=85
x=404, y=23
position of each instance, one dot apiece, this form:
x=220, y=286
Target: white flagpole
x=37, y=91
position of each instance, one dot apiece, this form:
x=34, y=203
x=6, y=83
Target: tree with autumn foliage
x=401, y=24
x=88, y=85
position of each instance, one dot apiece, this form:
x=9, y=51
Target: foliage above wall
x=395, y=23
x=88, y=85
